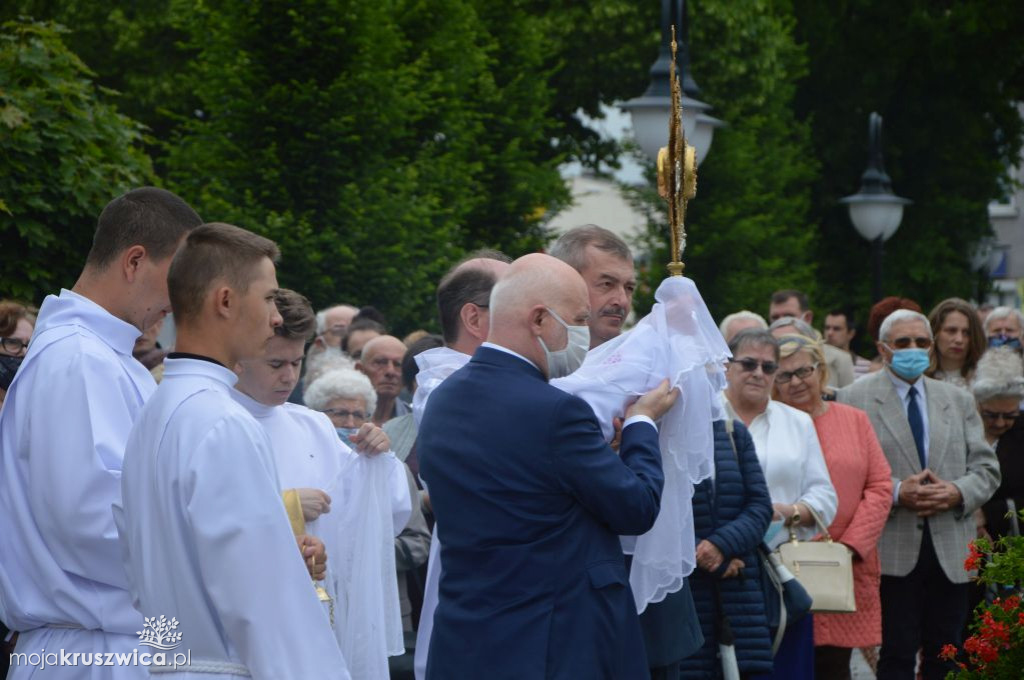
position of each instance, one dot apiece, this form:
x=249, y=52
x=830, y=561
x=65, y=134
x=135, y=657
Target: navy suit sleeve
x=741, y=535
x=624, y=493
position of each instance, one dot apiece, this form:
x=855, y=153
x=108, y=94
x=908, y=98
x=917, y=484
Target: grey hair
x=321, y=317
x=1000, y=373
x=754, y=337
x=742, y=315
x=1004, y=313
x=570, y=246
x=801, y=326
x=899, y=316
x=328, y=359
x=342, y=383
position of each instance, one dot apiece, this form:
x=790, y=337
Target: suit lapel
x=894, y=416
x=938, y=422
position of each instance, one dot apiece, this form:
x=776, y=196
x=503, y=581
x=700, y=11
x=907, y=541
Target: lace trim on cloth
x=680, y=341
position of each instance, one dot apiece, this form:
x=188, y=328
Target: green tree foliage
x=749, y=226
x=944, y=76
x=376, y=142
x=65, y=150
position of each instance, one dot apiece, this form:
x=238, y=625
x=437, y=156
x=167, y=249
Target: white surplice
x=206, y=539
x=370, y=505
x=435, y=366
x=63, y=428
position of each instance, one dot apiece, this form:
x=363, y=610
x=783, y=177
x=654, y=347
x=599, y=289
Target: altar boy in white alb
x=355, y=504
x=204, y=531
x=62, y=433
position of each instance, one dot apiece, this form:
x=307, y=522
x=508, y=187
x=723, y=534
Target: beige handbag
x=824, y=568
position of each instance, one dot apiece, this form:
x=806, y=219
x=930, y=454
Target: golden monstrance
x=677, y=171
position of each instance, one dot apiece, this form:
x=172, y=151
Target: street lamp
x=650, y=111
x=876, y=212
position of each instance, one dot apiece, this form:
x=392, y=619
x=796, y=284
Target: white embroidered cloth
x=680, y=341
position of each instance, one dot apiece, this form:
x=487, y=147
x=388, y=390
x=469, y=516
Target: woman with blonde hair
x=959, y=342
x=860, y=474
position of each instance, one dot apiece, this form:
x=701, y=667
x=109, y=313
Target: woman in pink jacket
x=862, y=479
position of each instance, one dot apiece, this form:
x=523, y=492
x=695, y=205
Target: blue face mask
x=1003, y=341
x=909, y=363
x=345, y=434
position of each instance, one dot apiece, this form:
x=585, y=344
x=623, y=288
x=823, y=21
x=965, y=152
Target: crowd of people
x=303, y=494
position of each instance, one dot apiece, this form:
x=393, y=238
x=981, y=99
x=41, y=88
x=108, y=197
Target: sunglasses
x=750, y=365
x=803, y=373
x=922, y=342
x=998, y=415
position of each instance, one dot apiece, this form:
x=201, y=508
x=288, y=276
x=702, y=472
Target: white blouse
x=794, y=467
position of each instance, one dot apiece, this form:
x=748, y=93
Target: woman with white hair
x=346, y=396
x=998, y=390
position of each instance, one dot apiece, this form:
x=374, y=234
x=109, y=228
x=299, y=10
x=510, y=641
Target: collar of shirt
x=506, y=350
x=180, y=366
x=903, y=387
x=70, y=308
x=256, y=408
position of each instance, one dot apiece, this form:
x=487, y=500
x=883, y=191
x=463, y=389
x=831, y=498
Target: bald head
x=463, y=298
x=522, y=302
x=381, y=361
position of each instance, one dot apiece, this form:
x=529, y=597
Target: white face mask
x=564, y=361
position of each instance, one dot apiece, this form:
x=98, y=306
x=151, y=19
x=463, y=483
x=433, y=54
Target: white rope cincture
x=209, y=666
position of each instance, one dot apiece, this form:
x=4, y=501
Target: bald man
x=530, y=499
x=381, y=361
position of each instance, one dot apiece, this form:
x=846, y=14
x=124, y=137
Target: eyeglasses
x=343, y=414
x=750, y=365
x=803, y=372
x=13, y=345
x=922, y=342
x=999, y=415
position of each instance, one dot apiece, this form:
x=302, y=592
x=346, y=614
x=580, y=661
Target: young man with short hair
x=205, y=535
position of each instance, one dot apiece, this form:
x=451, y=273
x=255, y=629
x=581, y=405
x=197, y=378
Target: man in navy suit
x=530, y=499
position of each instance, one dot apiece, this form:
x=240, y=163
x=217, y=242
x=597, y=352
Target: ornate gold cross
x=677, y=171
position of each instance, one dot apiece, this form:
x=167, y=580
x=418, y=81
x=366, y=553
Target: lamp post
x=876, y=212
x=651, y=110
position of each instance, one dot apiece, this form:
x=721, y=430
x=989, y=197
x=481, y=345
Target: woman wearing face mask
x=16, y=325
x=861, y=476
x=959, y=342
x=791, y=458
x=346, y=396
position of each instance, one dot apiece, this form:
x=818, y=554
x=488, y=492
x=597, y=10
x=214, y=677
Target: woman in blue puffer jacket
x=731, y=512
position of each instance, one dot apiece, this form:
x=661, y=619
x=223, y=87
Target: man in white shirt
x=62, y=434
x=356, y=505
x=205, y=535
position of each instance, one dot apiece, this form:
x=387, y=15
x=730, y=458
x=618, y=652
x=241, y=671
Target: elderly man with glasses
x=943, y=470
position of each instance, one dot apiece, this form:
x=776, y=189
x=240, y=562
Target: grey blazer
x=957, y=452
